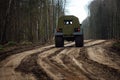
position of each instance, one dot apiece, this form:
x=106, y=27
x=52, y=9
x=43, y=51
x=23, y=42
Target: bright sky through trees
x=78, y=8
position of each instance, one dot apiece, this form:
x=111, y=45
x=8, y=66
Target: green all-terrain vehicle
x=68, y=29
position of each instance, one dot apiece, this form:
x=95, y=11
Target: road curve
x=91, y=62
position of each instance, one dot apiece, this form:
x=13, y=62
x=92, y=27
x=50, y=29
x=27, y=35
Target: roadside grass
x=7, y=45
x=13, y=46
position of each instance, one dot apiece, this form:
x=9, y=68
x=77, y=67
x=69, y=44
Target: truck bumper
x=58, y=34
x=77, y=33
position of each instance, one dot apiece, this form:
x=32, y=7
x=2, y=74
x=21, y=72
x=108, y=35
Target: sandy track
x=91, y=62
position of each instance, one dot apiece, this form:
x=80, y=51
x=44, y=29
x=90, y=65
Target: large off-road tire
x=79, y=42
x=59, y=41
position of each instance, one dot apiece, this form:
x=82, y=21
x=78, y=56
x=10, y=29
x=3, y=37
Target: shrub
x=11, y=43
x=116, y=45
x=26, y=43
x=1, y=47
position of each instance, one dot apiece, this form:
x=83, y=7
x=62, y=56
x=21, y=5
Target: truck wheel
x=59, y=41
x=79, y=41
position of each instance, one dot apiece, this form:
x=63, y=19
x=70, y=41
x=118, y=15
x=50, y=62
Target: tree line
x=103, y=21
x=29, y=20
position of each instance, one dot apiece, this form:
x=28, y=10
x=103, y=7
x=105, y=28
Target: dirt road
x=91, y=62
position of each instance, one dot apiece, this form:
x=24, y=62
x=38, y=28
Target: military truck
x=68, y=29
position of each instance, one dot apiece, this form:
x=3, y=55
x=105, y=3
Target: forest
x=35, y=20
x=29, y=20
x=103, y=21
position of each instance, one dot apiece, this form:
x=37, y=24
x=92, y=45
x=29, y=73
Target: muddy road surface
x=94, y=61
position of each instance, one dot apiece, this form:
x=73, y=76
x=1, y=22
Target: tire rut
x=64, y=64
x=29, y=65
x=66, y=69
x=95, y=70
x=67, y=63
x=52, y=66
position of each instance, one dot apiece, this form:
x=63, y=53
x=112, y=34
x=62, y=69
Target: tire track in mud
x=12, y=62
x=29, y=65
x=63, y=70
x=91, y=69
x=102, y=56
x=94, y=70
x=24, y=57
x=68, y=60
x=94, y=43
x=14, y=51
x=73, y=68
x=67, y=67
x=67, y=63
x=52, y=67
x=115, y=57
x=26, y=53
